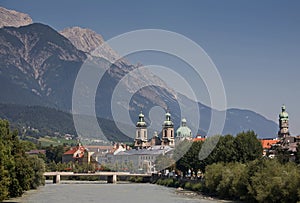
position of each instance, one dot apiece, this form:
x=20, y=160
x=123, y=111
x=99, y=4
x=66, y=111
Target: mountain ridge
x=41, y=65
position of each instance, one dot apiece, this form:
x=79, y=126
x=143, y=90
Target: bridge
x=111, y=176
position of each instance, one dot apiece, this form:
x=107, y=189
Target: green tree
x=182, y=157
x=27, y=146
x=234, y=181
x=16, y=170
x=248, y=147
x=213, y=176
x=54, y=153
x=225, y=150
x=275, y=182
x=193, y=156
x=38, y=167
x=4, y=173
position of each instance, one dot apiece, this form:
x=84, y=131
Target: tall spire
x=168, y=131
x=168, y=121
x=283, y=123
x=141, y=122
x=141, y=132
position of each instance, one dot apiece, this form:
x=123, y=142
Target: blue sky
x=254, y=44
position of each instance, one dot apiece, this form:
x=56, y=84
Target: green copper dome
x=283, y=115
x=168, y=121
x=183, y=131
x=141, y=122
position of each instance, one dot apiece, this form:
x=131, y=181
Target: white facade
x=140, y=160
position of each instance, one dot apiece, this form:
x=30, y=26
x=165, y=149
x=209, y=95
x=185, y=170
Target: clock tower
x=168, y=132
x=141, y=132
x=283, y=123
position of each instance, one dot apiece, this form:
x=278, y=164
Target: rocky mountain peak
x=11, y=18
x=83, y=39
x=94, y=45
x=90, y=42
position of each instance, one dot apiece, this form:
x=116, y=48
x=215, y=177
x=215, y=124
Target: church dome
x=283, y=114
x=141, y=121
x=184, y=131
x=168, y=121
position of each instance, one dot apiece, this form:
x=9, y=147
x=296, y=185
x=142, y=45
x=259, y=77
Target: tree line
x=18, y=171
x=242, y=148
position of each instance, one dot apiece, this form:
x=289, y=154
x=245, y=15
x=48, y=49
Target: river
x=108, y=193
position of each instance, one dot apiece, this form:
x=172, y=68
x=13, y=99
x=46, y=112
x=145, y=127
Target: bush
x=234, y=181
x=213, y=176
x=188, y=186
x=275, y=182
x=169, y=183
x=258, y=181
x=196, y=186
x=158, y=182
x=136, y=179
x=176, y=184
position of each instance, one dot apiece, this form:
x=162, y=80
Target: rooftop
x=266, y=144
x=149, y=151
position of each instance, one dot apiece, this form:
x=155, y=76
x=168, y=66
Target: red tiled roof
x=266, y=144
x=199, y=139
x=71, y=151
x=74, y=150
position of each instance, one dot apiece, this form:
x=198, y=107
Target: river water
x=108, y=193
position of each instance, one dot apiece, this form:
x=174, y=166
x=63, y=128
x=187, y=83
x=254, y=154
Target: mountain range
x=38, y=67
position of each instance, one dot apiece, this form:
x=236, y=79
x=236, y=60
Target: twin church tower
x=167, y=139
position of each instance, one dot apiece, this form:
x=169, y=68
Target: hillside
x=40, y=121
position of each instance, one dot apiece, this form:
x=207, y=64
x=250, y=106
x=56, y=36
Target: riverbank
x=188, y=188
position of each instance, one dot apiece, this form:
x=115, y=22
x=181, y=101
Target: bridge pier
x=112, y=179
x=56, y=179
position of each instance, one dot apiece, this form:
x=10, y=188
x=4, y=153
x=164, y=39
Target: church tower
x=283, y=123
x=168, y=132
x=141, y=132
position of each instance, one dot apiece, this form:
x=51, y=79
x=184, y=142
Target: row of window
x=147, y=157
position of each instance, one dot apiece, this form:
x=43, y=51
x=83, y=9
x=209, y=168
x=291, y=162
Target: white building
x=139, y=160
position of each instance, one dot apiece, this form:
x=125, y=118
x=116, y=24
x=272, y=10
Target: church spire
x=168, y=131
x=141, y=121
x=141, y=137
x=283, y=123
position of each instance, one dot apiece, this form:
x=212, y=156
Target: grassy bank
x=193, y=185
